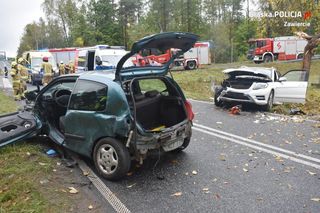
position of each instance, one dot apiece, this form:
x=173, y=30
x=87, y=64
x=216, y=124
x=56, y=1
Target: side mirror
x=98, y=61
x=282, y=79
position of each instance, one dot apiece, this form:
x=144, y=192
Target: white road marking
x=259, y=143
x=114, y=201
x=285, y=156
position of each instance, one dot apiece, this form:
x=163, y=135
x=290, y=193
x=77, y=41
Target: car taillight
x=189, y=110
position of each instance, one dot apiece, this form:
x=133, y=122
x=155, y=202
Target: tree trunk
x=313, y=42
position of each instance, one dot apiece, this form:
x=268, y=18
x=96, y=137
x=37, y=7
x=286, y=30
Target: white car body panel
x=284, y=91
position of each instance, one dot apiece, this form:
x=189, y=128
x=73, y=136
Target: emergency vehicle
x=99, y=57
x=278, y=48
x=198, y=55
x=66, y=55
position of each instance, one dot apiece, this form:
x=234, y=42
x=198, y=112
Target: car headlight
x=260, y=86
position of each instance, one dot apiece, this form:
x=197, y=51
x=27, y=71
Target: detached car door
x=18, y=126
x=292, y=87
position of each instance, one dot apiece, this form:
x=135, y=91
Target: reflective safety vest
x=16, y=77
x=47, y=68
x=23, y=72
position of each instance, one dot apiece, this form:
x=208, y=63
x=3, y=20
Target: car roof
x=98, y=76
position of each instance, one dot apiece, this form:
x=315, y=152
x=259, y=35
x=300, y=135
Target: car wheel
x=191, y=65
x=111, y=158
x=32, y=81
x=217, y=93
x=267, y=59
x=269, y=105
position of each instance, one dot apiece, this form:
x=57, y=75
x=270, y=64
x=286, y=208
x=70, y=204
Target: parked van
x=34, y=61
x=100, y=57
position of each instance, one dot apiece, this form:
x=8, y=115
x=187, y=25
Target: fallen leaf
x=217, y=196
x=311, y=173
x=44, y=181
x=177, y=194
x=279, y=159
x=317, y=199
x=130, y=186
x=288, y=142
x=222, y=157
x=245, y=170
x=90, y=207
x=259, y=199
x=174, y=161
x=73, y=190
x=194, y=172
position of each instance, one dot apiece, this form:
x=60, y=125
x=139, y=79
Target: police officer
x=61, y=68
x=16, y=81
x=24, y=76
x=46, y=67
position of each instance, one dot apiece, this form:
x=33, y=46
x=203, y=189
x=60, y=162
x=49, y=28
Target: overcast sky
x=14, y=16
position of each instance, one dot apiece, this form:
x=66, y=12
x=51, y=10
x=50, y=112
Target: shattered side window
x=89, y=96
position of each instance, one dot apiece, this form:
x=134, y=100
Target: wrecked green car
x=114, y=116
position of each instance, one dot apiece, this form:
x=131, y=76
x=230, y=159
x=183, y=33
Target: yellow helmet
x=20, y=60
x=13, y=64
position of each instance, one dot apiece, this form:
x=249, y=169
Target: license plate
x=172, y=145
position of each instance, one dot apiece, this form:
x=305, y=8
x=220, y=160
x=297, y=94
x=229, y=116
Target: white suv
x=261, y=86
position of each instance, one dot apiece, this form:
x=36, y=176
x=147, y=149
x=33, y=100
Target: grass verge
x=24, y=174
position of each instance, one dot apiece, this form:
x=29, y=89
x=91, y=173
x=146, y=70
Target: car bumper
x=168, y=140
x=257, y=58
x=259, y=97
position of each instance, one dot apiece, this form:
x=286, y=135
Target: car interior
x=54, y=102
x=158, y=104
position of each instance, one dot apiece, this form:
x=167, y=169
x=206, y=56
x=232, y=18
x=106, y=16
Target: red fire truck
x=278, y=48
x=66, y=55
x=196, y=56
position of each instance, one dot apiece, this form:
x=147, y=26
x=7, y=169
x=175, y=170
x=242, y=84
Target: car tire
x=217, y=93
x=269, y=105
x=191, y=65
x=111, y=158
x=267, y=59
x=32, y=81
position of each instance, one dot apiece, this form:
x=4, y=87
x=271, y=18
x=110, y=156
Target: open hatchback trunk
x=156, y=103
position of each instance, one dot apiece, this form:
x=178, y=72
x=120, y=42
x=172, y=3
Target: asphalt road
x=252, y=162
x=279, y=173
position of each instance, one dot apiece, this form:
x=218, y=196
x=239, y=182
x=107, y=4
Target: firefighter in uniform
x=47, y=71
x=24, y=76
x=61, y=68
x=16, y=81
x=72, y=68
